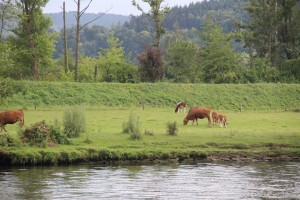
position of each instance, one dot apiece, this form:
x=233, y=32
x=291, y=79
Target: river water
x=255, y=180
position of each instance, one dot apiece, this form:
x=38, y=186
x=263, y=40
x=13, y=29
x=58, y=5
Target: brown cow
x=223, y=120
x=215, y=118
x=181, y=107
x=11, y=117
x=195, y=113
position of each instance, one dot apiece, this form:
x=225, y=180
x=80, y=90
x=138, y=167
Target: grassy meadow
x=269, y=124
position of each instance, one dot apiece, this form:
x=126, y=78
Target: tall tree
x=157, y=13
x=33, y=44
x=6, y=17
x=218, y=57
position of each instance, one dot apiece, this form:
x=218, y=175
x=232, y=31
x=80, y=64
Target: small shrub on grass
x=172, y=128
x=43, y=135
x=74, y=121
x=7, y=140
x=132, y=127
x=149, y=133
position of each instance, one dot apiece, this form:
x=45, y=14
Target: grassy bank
x=160, y=95
x=250, y=135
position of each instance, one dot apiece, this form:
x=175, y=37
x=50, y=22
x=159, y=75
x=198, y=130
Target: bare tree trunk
x=77, y=40
x=65, y=40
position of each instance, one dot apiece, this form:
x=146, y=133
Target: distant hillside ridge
x=106, y=20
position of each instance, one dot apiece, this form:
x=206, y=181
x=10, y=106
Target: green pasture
x=251, y=132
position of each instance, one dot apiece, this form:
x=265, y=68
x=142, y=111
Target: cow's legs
x=3, y=128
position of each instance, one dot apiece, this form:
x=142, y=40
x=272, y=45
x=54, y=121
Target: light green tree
x=114, y=65
x=218, y=58
x=182, y=61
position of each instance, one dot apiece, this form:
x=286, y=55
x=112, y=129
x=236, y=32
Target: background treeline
x=216, y=41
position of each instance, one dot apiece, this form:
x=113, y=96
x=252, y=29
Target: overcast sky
x=123, y=7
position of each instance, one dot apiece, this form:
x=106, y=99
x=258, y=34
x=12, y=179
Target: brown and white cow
x=215, y=118
x=195, y=113
x=11, y=117
x=181, y=107
x=223, y=120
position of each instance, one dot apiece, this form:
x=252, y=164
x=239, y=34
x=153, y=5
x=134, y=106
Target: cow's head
x=185, y=121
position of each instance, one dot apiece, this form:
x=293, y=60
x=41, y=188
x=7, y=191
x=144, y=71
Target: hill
x=106, y=20
x=221, y=97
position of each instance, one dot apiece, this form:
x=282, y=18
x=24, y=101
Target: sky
x=121, y=7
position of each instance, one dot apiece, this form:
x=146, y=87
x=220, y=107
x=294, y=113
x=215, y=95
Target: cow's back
x=11, y=117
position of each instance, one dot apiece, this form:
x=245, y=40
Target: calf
x=181, y=107
x=223, y=120
x=11, y=117
x=215, y=118
x=195, y=113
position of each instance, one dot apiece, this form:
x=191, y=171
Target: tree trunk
x=77, y=40
x=65, y=39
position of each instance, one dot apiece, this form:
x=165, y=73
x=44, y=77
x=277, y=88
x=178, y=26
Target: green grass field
x=269, y=122
x=251, y=132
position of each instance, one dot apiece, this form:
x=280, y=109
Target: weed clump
x=172, y=128
x=7, y=140
x=43, y=135
x=74, y=121
x=132, y=127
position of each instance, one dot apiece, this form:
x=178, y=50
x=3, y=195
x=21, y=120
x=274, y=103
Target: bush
x=74, y=121
x=172, y=128
x=43, y=135
x=10, y=87
x=132, y=127
x=6, y=141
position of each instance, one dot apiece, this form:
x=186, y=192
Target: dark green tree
x=33, y=44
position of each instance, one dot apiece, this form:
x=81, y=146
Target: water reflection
x=260, y=180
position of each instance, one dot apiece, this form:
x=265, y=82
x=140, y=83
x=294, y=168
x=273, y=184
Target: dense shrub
x=74, y=121
x=10, y=87
x=132, y=127
x=7, y=140
x=43, y=135
x=172, y=128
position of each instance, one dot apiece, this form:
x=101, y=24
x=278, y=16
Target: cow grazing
x=215, y=118
x=181, y=107
x=11, y=117
x=223, y=120
x=195, y=113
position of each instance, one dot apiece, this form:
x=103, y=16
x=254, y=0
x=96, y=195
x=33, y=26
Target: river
x=204, y=180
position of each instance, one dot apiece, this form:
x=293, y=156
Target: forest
x=215, y=41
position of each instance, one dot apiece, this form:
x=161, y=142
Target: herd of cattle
x=13, y=116
x=201, y=113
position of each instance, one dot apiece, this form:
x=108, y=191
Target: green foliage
x=11, y=87
x=33, y=45
x=172, y=128
x=218, y=58
x=6, y=140
x=182, y=61
x=132, y=127
x=74, y=121
x=43, y=135
x=114, y=65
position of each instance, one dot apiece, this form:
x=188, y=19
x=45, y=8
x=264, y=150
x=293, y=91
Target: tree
x=218, y=58
x=151, y=65
x=78, y=16
x=33, y=44
x=114, y=64
x=6, y=16
x=157, y=13
x=182, y=61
